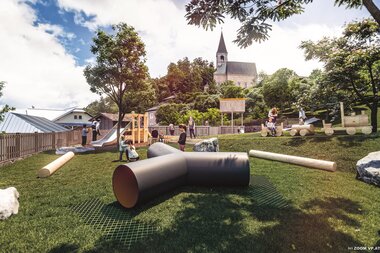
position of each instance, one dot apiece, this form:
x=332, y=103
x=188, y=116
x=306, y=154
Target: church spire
x=222, y=46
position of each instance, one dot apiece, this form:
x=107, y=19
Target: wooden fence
x=15, y=146
x=199, y=130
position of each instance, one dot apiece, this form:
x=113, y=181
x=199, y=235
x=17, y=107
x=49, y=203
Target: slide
x=110, y=137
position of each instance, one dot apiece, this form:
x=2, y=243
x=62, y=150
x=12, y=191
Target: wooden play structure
x=138, y=129
x=265, y=131
x=351, y=124
x=302, y=130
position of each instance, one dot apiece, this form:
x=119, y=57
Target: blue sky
x=46, y=44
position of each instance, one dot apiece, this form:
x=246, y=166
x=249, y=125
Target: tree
x=119, y=68
x=255, y=15
x=352, y=62
x=6, y=108
x=229, y=90
x=101, y=105
x=206, y=101
x=170, y=113
x=276, y=88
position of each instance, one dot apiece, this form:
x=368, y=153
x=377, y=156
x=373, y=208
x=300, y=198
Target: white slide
x=110, y=138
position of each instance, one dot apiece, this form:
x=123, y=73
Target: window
x=246, y=85
x=222, y=57
x=75, y=116
x=239, y=84
x=80, y=116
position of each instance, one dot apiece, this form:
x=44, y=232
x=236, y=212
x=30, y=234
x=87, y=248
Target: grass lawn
x=287, y=208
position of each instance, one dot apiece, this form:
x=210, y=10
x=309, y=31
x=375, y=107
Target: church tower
x=221, y=54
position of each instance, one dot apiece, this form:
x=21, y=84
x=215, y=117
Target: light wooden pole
x=342, y=112
x=52, y=167
x=303, y=161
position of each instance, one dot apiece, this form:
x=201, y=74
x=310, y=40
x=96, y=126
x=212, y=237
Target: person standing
x=171, y=129
x=93, y=128
x=182, y=137
x=301, y=116
x=191, y=127
x=84, y=135
x=97, y=127
x=122, y=148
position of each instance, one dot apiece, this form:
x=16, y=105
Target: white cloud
x=36, y=67
x=168, y=38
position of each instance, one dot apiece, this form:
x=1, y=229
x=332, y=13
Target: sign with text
x=232, y=104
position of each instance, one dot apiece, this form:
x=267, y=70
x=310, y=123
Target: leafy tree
x=255, y=104
x=276, y=88
x=161, y=87
x=197, y=117
x=119, y=68
x=141, y=98
x=6, y=108
x=352, y=62
x=205, y=101
x=212, y=115
x=170, y=113
x=256, y=15
x=229, y=90
x=101, y=105
x=185, y=77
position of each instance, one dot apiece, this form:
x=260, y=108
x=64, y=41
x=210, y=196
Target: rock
x=207, y=145
x=368, y=168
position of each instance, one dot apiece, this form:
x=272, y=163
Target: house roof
x=112, y=116
x=50, y=114
x=20, y=123
x=222, y=46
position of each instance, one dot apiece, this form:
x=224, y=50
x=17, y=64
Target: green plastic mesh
x=116, y=222
x=264, y=193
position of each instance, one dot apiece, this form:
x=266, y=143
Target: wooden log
x=52, y=167
x=309, y=127
x=303, y=161
x=367, y=130
x=264, y=133
x=351, y=130
x=304, y=132
x=293, y=132
x=329, y=131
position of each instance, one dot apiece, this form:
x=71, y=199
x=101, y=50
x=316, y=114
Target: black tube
x=168, y=168
x=160, y=149
x=140, y=181
x=217, y=168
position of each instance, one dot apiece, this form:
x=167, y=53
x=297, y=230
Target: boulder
x=207, y=145
x=368, y=168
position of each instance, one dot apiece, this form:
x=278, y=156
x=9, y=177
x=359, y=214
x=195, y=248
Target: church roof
x=241, y=68
x=237, y=68
x=222, y=46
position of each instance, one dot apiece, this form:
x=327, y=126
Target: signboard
x=232, y=105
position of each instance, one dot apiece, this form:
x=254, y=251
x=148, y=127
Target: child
x=131, y=153
x=84, y=135
x=271, y=126
x=122, y=148
x=182, y=137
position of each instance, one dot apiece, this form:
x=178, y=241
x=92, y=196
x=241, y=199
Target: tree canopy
x=5, y=108
x=256, y=15
x=352, y=62
x=119, y=68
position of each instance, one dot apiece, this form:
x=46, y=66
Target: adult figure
x=171, y=129
x=93, y=128
x=84, y=135
x=191, y=127
x=301, y=116
x=182, y=137
x=97, y=127
x=273, y=113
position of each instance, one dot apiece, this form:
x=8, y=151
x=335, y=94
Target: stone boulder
x=368, y=168
x=207, y=145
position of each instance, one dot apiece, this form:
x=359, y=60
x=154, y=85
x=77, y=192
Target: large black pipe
x=169, y=168
x=140, y=181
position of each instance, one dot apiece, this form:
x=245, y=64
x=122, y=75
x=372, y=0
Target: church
x=243, y=74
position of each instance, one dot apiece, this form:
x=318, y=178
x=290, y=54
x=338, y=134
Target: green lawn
x=286, y=209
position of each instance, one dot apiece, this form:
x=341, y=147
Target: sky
x=45, y=44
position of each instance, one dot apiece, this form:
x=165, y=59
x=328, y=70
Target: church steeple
x=221, y=54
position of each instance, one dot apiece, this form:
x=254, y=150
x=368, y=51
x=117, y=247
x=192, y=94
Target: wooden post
x=138, y=128
x=232, y=122
x=242, y=119
x=146, y=127
x=342, y=113
x=133, y=127
x=222, y=118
